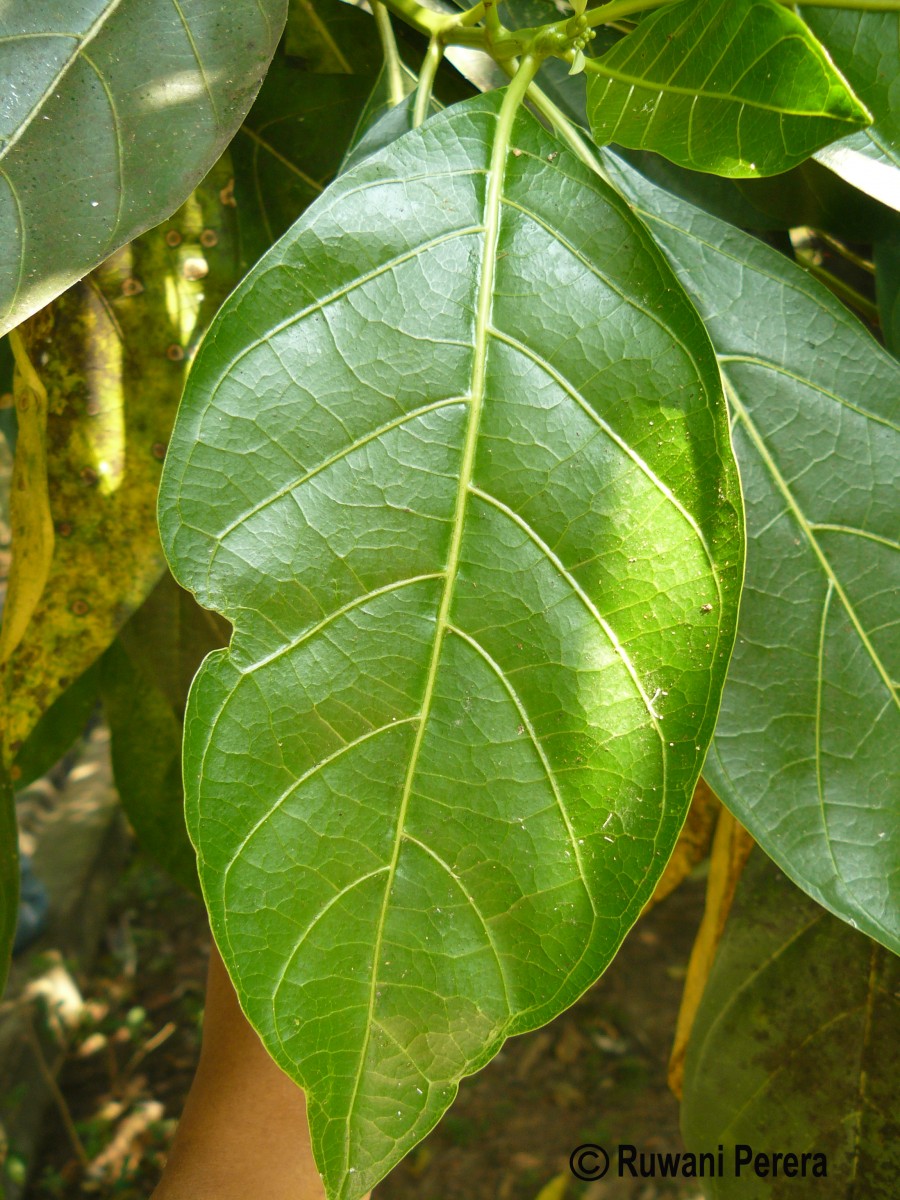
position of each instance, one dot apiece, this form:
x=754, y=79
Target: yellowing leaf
x=29, y=505
x=107, y=361
x=731, y=848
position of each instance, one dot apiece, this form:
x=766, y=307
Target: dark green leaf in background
x=58, y=729
x=740, y=89
x=113, y=111
x=887, y=282
x=144, y=681
x=330, y=37
x=290, y=146
x=796, y=1047
x=471, y=507
x=9, y=875
x=805, y=752
x=314, y=96
x=866, y=48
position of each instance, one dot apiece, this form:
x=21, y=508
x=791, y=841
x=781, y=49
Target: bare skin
x=244, y=1130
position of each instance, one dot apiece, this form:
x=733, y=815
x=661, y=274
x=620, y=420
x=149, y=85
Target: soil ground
x=596, y=1074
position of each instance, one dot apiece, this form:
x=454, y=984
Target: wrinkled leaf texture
x=453, y=460
x=740, y=89
x=113, y=110
x=796, y=1047
x=805, y=748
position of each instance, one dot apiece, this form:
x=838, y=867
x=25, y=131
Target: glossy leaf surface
x=866, y=48
x=805, y=748
x=796, y=1047
x=113, y=111
x=465, y=490
x=740, y=89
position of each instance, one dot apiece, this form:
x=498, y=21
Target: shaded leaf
x=796, y=1046
x=382, y=120
x=145, y=678
x=866, y=48
x=9, y=875
x=58, y=729
x=805, y=748
x=887, y=283
x=730, y=850
x=386, y=129
x=740, y=89
x=330, y=37
x=313, y=97
x=114, y=111
x=290, y=146
x=480, y=541
x=112, y=355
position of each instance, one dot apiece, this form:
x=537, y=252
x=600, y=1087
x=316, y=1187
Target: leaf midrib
x=806, y=527
x=496, y=175
x=677, y=90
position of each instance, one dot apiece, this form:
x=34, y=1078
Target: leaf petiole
x=393, y=66
x=426, y=81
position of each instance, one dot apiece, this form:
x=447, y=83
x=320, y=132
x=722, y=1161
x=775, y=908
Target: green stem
x=426, y=81
x=421, y=18
x=566, y=130
x=396, y=88
x=560, y=122
x=472, y=15
x=492, y=18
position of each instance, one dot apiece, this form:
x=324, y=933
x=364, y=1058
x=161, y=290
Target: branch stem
x=426, y=81
x=396, y=88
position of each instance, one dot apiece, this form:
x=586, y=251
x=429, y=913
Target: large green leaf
x=454, y=462
x=805, y=752
x=740, y=89
x=866, y=47
x=113, y=110
x=796, y=1047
